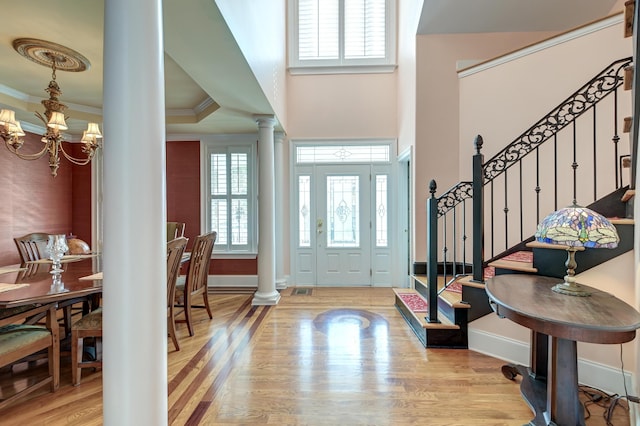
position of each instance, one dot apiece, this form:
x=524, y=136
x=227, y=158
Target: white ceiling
x=209, y=86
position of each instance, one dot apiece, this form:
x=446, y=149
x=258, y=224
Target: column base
x=282, y=283
x=262, y=299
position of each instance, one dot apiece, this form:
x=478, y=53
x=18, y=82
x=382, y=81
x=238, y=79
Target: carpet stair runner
x=413, y=307
x=464, y=300
x=454, y=304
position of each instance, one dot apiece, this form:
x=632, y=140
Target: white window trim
x=342, y=66
x=217, y=142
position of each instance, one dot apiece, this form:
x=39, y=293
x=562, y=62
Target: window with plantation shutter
x=342, y=33
x=230, y=189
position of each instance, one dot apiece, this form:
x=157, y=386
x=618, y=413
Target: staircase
x=448, y=290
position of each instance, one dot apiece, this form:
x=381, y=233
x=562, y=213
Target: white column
x=267, y=293
x=280, y=164
x=134, y=298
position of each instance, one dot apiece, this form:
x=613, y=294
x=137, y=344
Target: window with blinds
x=230, y=187
x=330, y=33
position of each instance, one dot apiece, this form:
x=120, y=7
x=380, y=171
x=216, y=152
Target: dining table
x=32, y=282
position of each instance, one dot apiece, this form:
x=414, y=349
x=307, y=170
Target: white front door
x=343, y=228
x=343, y=225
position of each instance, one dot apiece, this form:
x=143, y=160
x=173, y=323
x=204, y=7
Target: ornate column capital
x=265, y=120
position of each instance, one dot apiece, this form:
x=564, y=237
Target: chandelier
x=56, y=57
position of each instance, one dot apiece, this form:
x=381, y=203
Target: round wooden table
x=558, y=321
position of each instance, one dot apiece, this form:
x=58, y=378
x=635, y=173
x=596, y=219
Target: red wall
x=35, y=201
x=31, y=199
x=183, y=202
x=81, y=190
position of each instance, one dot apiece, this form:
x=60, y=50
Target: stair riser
x=478, y=302
x=450, y=339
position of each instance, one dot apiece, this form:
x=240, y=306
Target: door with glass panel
x=343, y=234
x=343, y=231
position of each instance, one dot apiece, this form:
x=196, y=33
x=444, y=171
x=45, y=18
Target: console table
x=557, y=322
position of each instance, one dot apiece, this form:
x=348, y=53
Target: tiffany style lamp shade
x=576, y=227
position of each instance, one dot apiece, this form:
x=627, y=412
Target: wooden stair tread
x=421, y=278
x=420, y=316
x=629, y=194
x=454, y=299
x=629, y=13
x=537, y=244
x=622, y=221
x=468, y=280
x=514, y=265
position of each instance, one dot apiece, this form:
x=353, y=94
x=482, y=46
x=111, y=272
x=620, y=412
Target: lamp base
x=571, y=289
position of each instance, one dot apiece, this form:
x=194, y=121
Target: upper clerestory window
x=328, y=36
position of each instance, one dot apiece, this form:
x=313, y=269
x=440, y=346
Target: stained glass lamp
x=576, y=227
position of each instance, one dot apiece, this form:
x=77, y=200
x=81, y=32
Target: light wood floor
x=335, y=357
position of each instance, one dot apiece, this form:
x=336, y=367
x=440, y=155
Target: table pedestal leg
x=563, y=402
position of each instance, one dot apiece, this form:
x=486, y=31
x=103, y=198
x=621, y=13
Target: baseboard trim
x=248, y=281
x=597, y=375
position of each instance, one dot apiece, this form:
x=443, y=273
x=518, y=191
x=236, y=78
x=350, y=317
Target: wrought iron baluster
x=574, y=165
x=506, y=210
x=445, y=249
x=464, y=236
x=521, y=206
x=555, y=172
x=492, y=210
x=537, y=185
x=616, y=138
x=455, y=243
x=595, y=155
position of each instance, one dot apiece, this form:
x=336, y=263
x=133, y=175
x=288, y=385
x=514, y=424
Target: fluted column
x=267, y=293
x=281, y=279
x=135, y=302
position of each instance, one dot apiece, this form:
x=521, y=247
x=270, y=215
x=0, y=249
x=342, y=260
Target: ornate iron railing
x=564, y=114
x=444, y=211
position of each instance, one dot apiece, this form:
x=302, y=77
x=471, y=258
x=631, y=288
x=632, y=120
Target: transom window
x=342, y=154
x=341, y=33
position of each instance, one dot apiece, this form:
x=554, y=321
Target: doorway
x=341, y=232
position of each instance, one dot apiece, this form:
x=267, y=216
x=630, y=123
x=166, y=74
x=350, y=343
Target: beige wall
x=407, y=22
x=503, y=98
x=437, y=109
x=342, y=106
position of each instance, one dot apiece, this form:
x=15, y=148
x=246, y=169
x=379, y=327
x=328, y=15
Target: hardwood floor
x=334, y=357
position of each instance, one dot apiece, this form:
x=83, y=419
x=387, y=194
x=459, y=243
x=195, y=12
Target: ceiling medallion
x=47, y=54
x=56, y=57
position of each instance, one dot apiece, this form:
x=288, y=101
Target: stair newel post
x=432, y=253
x=478, y=212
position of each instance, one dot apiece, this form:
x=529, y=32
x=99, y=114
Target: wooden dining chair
x=32, y=246
x=89, y=325
x=175, y=249
x=195, y=281
x=175, y=230
x=19, y=340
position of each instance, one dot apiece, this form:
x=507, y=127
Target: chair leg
x=67, y=319
x=171, y=326
x=205, y=296
x=187, y=313
x=77, y=349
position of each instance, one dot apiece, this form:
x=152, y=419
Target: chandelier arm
x=34, y=156
x=77, y=161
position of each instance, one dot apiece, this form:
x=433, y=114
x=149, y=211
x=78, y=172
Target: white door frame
x=306, y=261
